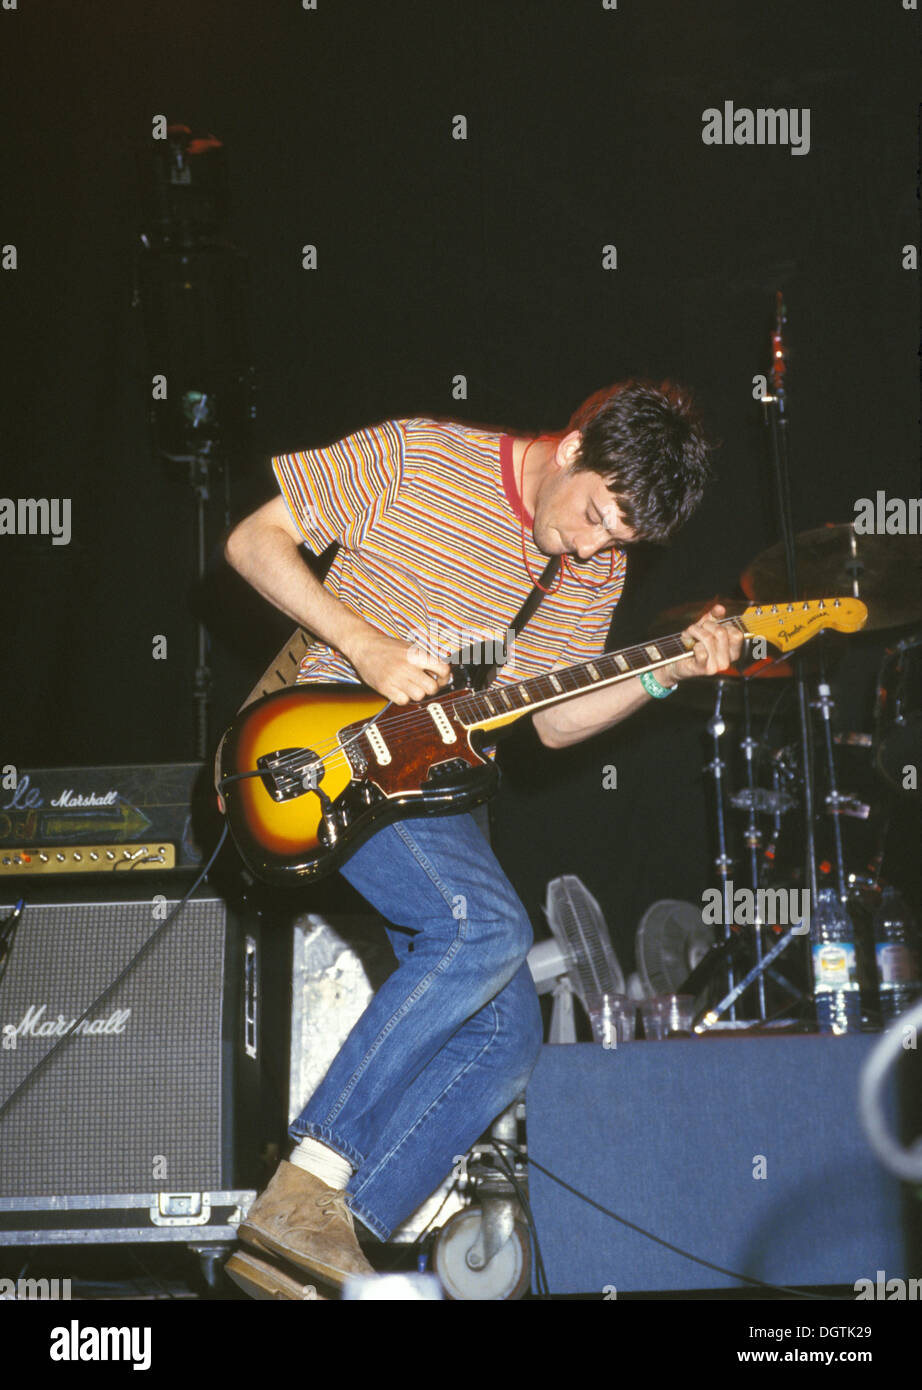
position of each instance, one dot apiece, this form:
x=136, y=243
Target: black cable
x=391, y=1268
x=150, y=1276
x=540, y=1271
x=239, y=776
x=745, y=1278
x=135, y=959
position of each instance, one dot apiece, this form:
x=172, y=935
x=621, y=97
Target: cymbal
x=835, y=562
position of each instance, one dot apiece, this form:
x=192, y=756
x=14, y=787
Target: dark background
x=439, y=257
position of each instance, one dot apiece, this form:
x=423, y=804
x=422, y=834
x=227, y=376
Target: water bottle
x=897, y=955
x=835, y=973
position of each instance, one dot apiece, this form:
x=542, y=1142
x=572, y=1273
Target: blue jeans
x=451, y=1037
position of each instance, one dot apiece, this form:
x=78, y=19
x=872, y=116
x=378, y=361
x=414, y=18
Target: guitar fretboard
x=573, y=680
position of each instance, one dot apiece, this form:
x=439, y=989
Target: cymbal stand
x=717, y=728
x=834, y=800
x=753, y=838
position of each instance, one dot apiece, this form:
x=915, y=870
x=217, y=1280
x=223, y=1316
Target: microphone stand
x=776, y=417
x=776, y=413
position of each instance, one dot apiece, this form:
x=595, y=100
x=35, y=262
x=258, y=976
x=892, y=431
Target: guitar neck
x=522, y=697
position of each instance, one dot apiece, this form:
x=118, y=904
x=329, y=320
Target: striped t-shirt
x=428, y=519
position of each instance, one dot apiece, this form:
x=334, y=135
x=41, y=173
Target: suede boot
x=304, y=1221
x=262, y=1280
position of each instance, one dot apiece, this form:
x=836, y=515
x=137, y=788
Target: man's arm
x=265, y=548
x=572, y=721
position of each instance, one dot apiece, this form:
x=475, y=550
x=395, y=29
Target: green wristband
x=652, y=686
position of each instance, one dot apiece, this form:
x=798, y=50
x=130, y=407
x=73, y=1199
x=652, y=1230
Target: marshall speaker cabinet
x=155, y=1116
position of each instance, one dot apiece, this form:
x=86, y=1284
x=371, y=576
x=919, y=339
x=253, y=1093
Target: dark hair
x=648, y=442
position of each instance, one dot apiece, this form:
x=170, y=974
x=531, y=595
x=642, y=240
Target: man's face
x=575, y=514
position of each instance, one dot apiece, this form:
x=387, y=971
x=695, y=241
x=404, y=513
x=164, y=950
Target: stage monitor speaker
x=169, y=1088
x=746, y=1152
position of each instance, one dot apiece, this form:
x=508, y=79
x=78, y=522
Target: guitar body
x=337, y=763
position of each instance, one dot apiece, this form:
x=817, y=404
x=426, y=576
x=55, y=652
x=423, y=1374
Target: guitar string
x=421, y=719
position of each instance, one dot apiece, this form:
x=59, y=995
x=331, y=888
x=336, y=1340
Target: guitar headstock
x=789, y=625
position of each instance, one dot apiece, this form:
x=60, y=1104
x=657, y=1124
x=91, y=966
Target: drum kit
x=858, y=792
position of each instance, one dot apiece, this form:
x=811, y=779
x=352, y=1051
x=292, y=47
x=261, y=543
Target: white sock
x=323, y=1162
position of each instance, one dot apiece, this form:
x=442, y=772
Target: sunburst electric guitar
x=309, y=772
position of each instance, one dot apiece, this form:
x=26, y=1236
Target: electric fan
x=579, y=959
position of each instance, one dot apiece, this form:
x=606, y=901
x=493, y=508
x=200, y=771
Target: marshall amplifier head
x=98, y=820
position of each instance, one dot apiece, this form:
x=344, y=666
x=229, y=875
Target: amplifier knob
x=60, y=858
x=77, y=856
x=109, y=854
x=44, y=858
x=93, y=854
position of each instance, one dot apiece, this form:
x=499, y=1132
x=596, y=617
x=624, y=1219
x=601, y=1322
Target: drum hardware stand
x=712, y=1015
x=777, y=811
x=717, y=955
x=717, y=728
x=834, y=800
x=725, y=950
x=753, y=836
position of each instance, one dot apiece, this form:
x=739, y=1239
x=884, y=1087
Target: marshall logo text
x=72, y=798
x=33, y=1024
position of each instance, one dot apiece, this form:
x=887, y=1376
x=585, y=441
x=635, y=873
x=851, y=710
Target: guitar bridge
x=290, y=772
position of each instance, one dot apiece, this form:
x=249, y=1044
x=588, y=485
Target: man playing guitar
x=445, y=527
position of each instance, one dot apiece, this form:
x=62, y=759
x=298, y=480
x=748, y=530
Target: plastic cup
x=668, y=1015
x=612, y=1017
